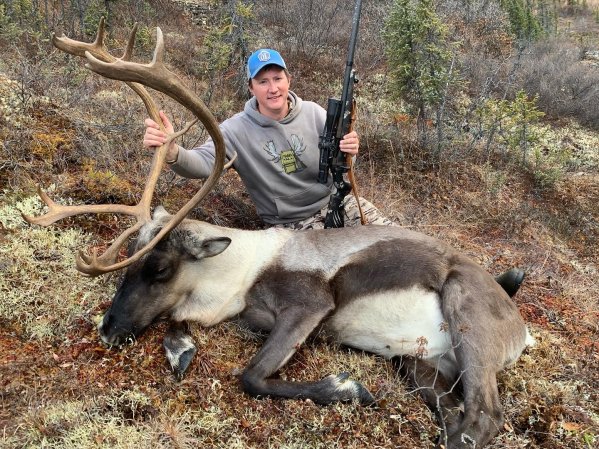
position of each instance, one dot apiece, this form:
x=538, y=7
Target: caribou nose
x=104, y=329
x=113, y=333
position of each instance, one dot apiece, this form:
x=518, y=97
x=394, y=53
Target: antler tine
x=230, y=163
x=94, y=265
x=158, y=57
x=57, y=212
x=129, y=48
x=99, y=42
x=78, y=48
x=46, y=219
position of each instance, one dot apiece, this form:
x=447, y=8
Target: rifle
x=339, y=121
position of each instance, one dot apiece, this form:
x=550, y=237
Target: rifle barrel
x=348, y=76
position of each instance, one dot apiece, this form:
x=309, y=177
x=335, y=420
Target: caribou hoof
x=342, y=388
x=180, y=350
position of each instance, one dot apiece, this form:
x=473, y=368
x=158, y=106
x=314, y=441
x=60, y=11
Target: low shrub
x=566, y=85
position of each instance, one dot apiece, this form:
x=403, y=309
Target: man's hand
x=155, y=137
x=350, y=143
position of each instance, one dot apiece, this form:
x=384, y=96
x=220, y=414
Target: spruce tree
x=419, y=58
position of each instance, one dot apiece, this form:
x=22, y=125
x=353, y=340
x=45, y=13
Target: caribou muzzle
x=114, y=334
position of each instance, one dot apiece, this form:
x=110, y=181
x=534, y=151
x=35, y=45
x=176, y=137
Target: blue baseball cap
x=261, y=58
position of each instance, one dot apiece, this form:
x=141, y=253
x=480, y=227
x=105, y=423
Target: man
x=276, y=141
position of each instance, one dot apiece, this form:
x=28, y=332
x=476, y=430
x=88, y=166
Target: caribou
x=386, y=290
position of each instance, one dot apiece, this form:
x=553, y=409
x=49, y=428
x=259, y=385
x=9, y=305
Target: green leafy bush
x=514, y=126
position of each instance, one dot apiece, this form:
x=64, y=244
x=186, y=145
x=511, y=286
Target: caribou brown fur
x=386, y=290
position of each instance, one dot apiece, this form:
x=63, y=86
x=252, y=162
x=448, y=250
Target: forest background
x=479, y=124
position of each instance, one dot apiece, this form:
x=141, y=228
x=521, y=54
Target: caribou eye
x=162, y=273
x=159, y=269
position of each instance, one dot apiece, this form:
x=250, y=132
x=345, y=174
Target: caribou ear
x=205, y=248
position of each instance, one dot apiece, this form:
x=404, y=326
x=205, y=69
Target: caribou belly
x=393, y=323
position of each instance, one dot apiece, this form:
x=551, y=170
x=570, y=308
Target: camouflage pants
x=352, y=216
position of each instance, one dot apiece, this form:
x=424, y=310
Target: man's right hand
x=155, y=137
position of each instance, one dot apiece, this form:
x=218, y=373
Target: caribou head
x=160, y=283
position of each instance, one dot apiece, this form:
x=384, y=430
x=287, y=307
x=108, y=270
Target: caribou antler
x=156, y=76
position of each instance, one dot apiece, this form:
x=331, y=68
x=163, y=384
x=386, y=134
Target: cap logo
x=264, y=56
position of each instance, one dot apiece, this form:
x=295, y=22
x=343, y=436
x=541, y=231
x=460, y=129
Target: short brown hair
x=287, y=74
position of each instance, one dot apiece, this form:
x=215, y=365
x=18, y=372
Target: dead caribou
x=386, y=291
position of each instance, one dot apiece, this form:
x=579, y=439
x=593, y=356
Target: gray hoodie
x=276, y=160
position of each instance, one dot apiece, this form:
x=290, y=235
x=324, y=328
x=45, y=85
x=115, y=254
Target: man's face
x=270, y=87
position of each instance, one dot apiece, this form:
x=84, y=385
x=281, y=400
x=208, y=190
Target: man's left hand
x=350, y=143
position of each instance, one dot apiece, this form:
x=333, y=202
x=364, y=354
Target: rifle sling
x=350, y=162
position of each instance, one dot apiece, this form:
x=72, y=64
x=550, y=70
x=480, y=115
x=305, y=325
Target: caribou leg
x=481, y=350
x=293, y=321
x=179, y=347
x=441, y=394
